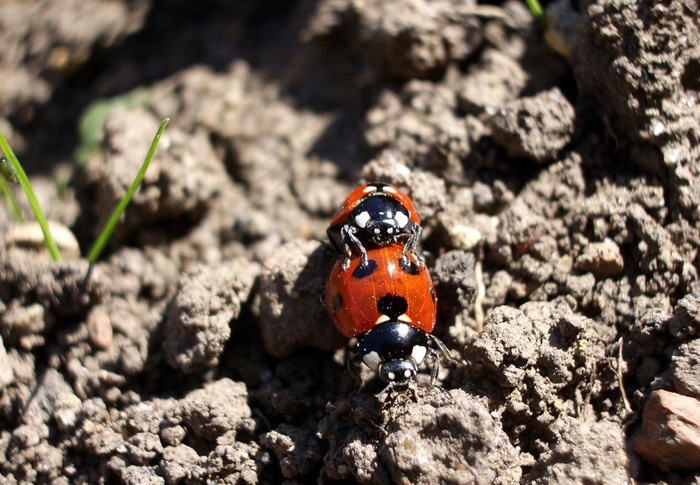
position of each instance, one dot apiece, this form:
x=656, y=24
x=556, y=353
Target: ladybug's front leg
x=433, y=354
x=440, y=346
x=354, y=365
x=350, y=241
x=414, y=232
x=437, y=349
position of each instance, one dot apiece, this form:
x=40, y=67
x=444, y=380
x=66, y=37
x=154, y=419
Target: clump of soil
x=558, y=199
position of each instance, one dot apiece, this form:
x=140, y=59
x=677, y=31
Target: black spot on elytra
x=393, y=306
x=337, y=301
x=365, y=271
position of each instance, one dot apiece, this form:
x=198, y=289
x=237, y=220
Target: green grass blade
x=537, y=12
x=31, y=197
x=106, y=233
x=10, y=199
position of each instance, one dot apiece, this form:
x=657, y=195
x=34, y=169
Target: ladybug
x=374, y=215
x=390, y=305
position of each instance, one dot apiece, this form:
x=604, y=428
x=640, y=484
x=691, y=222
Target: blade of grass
x=31, y=197
x=106, y=233
x=9, y=177
x=537, y=12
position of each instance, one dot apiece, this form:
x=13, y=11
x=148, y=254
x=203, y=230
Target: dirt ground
x=559, y=196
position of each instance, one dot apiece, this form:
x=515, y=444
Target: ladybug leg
x=433, y=354
x=347, y=233
x=350, y=241
x=363, y=256
x=440, y=346
x=437, y=349
x=354, y=369
x=414, y=231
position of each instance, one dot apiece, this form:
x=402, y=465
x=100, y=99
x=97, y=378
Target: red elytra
x=372, y=189
x=391, y=287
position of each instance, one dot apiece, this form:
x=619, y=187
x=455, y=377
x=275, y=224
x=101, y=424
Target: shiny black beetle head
x=381, y=219
x=394, y=349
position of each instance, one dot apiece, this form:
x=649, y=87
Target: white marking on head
x=418, y=353
x=389, y=190
x=391, y=376
x=390, y=230
x=404, y=318
x=401, y=219
x=362, y=219
x=369, y=189
x=407, y=373
x=377, y=230
x=372, y=360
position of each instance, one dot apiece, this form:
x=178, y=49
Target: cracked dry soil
x=561, y=226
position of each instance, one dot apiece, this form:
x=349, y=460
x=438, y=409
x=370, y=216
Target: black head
x=394, y=349
x=398, y=371
x=381, y=218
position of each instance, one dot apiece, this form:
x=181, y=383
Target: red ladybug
x=374, y=215
x=390, y=305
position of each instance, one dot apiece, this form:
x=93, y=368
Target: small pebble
x=603, y=259
x=464, y=237
x=30, y=236
x=100, y=329
x=670, y=434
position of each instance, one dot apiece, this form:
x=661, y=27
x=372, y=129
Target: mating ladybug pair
x=379, y=289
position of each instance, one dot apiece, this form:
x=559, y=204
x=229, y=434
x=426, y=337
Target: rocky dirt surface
x=559, y=198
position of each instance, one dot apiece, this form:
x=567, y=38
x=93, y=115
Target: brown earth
x=560, y=204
